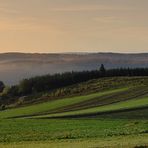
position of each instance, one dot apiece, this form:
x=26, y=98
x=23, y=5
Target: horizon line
x=83, y=52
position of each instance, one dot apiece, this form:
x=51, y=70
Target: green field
x=113, y=142
x=70, y=130
x=47, y=106
x=108, y=112
x=131, y=104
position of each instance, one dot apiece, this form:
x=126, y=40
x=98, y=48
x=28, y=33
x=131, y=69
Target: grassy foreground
x=116, y=142
x=75, y=133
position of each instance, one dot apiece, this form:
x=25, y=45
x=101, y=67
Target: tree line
x=50, y=82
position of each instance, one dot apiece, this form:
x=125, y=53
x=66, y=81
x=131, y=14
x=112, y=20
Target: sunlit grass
x=116, y=106
x=114, y=142
x=47, y=106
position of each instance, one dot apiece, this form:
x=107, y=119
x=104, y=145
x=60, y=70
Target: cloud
x=107, y=19
x=77, y=8
x=7, y=11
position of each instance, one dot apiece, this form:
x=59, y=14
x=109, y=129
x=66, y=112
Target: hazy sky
x=74, y=25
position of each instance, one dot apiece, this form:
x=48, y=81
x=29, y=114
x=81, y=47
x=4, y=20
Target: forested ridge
x=51, y=82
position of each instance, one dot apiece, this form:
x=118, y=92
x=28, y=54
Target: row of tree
x=51, y=82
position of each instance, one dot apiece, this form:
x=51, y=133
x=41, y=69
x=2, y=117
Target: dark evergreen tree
x=102, y=70
x=2, y=86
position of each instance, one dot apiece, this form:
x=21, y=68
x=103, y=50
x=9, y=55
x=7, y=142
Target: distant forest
x=50, y=82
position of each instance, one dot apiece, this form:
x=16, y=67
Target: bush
x=3, y=107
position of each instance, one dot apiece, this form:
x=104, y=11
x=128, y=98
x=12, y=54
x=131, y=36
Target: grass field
x=116, y=142
x=131, y=104
x=109, y=114
x=47, y=106
x=21, y=130
x=38, y=130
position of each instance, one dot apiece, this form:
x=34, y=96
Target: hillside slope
x=96, y=97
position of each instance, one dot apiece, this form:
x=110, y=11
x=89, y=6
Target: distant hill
x=16, y=66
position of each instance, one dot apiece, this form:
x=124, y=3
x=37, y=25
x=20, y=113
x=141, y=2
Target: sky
x=51, y=26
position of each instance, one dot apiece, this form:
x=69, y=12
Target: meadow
x=106, y=113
